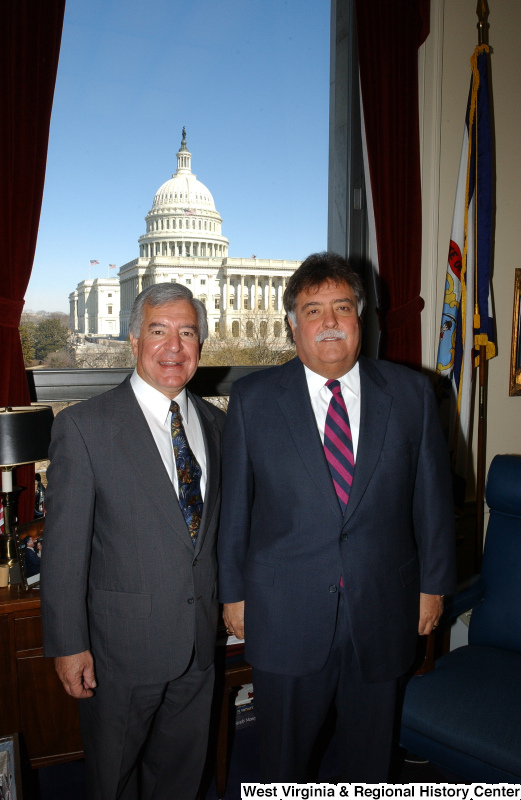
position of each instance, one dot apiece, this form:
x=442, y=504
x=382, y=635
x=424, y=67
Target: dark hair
x=157, y=295
x=316, y=270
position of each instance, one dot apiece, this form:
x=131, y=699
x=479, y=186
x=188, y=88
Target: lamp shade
x=25, y=434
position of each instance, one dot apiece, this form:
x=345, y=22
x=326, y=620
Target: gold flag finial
x=482, y=26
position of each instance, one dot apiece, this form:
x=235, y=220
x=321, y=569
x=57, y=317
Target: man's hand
x=77, y=674
x=431, y=609
x=233, y=615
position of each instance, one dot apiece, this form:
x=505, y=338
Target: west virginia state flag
x=467, y=321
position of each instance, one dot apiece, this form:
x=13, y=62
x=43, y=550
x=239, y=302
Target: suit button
x=195, y=562
x=343, y=537
x=332, y=589
x=190, y=600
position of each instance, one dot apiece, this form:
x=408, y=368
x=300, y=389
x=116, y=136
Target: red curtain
x=389, y=35
x=30, y=35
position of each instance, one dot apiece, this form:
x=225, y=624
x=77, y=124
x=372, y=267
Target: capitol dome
x=183, y=220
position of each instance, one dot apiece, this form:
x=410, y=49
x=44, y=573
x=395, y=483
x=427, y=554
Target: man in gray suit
x=129, y=572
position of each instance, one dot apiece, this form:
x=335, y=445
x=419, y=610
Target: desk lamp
x=25, y=434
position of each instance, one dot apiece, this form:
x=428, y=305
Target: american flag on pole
x=112, y=266
x=467, y=321
x=93, y=261
x=189, y=211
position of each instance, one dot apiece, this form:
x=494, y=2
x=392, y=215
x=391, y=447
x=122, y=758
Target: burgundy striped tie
x=338, y=445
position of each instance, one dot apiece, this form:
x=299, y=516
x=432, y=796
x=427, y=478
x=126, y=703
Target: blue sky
x=250, y=81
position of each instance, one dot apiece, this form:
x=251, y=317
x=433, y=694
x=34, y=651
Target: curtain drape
x=389, y=35
x=30, y=35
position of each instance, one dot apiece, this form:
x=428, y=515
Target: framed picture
x=10, y=773
x=29, y=542
x=515, y=358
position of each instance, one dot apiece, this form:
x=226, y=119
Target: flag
x=467, y=321
x=93, y=261
x=189, y=211
x=112, y=266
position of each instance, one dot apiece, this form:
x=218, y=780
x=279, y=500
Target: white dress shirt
x=321, y=396
x=156, y=408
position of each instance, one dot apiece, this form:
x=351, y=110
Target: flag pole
x=482, y=26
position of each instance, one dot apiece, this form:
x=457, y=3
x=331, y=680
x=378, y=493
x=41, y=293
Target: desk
x=33, y=701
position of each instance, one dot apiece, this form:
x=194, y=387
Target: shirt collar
x=155, y=401
x=349, y=381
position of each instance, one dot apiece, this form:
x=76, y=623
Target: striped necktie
x=188, y=475
x=338, y=445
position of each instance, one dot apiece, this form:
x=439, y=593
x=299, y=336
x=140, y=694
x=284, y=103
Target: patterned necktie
x=188, y=475
x=338, y=445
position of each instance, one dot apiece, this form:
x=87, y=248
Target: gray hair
x=157, y=295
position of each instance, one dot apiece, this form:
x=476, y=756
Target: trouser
x=290, y=712
x=147, y=742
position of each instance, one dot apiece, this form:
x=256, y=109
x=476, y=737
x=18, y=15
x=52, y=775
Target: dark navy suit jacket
x=283, y=541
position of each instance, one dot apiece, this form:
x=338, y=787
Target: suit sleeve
x=433, y=506
x=67, y=541
x=236, y=503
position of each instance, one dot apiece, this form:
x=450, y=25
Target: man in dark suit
x=32, y=562
x=129, y=571
x=337, y=540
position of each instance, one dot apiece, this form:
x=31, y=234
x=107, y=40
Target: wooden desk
x=33, y=701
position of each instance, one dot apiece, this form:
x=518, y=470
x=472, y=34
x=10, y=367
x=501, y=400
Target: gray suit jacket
x=120, y=575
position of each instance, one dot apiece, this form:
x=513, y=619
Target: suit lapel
x=296, y=408
x=374, y=416
x=135, y=437
x=211, y=437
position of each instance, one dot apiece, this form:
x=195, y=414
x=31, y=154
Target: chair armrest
x=469, y=594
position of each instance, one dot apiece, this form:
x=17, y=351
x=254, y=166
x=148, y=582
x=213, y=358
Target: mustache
x=334, y=333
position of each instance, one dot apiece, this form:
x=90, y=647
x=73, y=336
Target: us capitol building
x=184, y=244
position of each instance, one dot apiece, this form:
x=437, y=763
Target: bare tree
x=105, y=356
x=254, y=344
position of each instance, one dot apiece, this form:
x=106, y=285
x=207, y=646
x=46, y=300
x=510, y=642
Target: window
x=249, y=329
x=188, y=281
x=235, y=329
x=216, y=327
x=203, y=281
x=109, y=310
x=217, y=303
x=277, y=329
x=263, y=329
x=232, y=301
x=109, y=294
x=164, y=197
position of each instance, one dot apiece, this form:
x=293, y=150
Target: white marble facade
x=183, y=243
x=94, y=307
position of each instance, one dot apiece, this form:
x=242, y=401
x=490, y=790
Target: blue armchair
x=465, y=715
